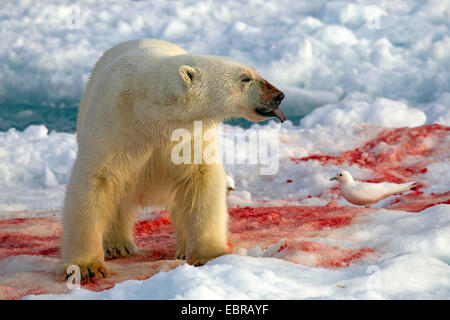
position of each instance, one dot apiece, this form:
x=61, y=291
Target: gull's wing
x=379, y=190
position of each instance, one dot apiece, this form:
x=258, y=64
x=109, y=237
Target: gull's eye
x=340, y=175
x=246, y=79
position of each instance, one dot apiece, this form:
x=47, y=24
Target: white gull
x=366, y=193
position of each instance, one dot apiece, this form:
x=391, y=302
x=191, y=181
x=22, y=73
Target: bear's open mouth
x=277, y=113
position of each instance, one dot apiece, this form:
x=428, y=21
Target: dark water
x=63, y=118
x=20, y=116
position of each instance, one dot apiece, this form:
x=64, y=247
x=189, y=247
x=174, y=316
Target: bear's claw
x=180, y=254
x=87, y=272
x=93, y=271
x=121, y=250
x=199, y=260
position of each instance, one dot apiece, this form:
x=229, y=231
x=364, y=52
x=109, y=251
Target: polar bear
x=139, y=92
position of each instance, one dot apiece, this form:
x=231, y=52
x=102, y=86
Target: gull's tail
x=405, y=187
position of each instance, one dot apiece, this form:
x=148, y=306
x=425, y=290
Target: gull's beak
x=334, y=178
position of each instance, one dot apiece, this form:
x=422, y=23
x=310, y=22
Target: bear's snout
x=278, y=98
x=270, y=94
x=271, y=99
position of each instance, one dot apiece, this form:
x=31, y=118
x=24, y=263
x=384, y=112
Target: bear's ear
x=187, y=73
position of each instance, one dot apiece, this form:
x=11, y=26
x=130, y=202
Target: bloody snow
x=317, y=236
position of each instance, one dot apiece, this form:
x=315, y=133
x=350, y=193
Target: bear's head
x=219, y=88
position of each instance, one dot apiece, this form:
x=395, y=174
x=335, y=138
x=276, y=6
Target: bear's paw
x=120, y=249
x=87, y=271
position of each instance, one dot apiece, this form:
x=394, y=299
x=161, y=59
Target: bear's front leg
x=86, y=213
x=201, y=205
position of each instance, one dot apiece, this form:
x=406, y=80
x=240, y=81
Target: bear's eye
x=246, y=79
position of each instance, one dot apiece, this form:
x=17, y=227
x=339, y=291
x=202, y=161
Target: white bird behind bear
x=230, y=185
x=366, y=193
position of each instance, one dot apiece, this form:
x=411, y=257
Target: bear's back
x=160, y=48
x=124, y=48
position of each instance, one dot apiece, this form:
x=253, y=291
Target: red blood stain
x=156, y=235
x=281, y=247
x=7, y=222
x=390, y=155
x=418, y=201
x=262, y=225
x=316, y=254
x=230, y=246
x=248, y=226
x=146, y=228
x=12, y=244
x=17, y=237
x=266, y=225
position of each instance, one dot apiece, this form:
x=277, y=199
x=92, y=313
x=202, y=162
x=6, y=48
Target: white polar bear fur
x=138, y=93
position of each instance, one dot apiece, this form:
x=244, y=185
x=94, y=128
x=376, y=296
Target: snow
x=238, y=277
x=35, y=166
x=35, y=180
x=372, y=82
x=413, y=264
x=318, y=52
x=351, y=111
x=398, y=250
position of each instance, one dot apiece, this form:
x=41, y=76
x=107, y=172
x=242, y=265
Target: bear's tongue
x=279, y=114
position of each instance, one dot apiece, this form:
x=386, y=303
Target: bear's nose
x=278, y=98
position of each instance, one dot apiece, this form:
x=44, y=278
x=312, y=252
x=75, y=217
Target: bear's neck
x=167, y=128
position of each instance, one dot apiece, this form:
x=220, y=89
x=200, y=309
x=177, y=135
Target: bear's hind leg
x=118, y=238
x=180, y=229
